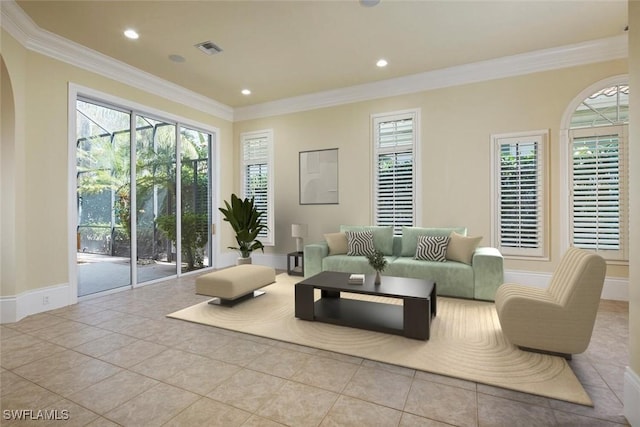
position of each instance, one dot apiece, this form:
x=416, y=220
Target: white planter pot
x=242, y=260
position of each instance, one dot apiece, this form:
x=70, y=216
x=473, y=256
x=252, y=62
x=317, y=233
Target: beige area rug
x=466, y=341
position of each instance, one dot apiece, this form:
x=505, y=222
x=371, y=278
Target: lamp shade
x=298, y=230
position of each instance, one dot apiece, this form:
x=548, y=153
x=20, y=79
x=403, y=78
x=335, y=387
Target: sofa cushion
x=432, y=248
x=461, y=248
x=382, y=236
x=360, y=243
x=410, y=236
x=452, y=278
x=337, y=243
x=350, y=264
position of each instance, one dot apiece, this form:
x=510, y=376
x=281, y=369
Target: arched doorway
x=8, y=185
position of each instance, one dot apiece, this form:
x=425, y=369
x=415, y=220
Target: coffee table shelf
x=373, y=316
x=411, y=319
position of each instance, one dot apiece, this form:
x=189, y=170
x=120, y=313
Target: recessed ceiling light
x=131, y=34
x=382, y=63
x=246, y=92
x=369, y=3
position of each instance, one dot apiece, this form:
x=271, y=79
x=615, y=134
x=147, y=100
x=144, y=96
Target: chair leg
x=551, y=353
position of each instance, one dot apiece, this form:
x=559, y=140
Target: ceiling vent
x=209, y=48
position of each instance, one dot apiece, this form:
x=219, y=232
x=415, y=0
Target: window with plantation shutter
x=257, y=176
x=598, y=190
x=519, y=183
x=395, y=136
x=595, y=149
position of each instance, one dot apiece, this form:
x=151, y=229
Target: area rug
x=466, y=341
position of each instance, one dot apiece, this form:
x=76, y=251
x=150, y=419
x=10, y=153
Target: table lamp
x=299, y=231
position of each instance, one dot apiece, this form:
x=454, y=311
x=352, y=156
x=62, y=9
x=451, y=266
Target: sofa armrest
x=488, y=272
x=313, y=255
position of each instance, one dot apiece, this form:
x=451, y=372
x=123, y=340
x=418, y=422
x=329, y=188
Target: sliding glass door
x=103, y=185
x=134, y=208
x=155, y=199
x=196, y=218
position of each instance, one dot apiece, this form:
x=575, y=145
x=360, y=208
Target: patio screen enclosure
x=143, y=197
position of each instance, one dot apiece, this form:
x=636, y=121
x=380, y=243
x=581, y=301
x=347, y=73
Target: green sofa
x=478, y=279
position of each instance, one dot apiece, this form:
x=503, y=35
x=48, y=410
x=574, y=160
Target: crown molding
x=24, y=30
x=34, y=38
x=14, y=21
x=531, y=62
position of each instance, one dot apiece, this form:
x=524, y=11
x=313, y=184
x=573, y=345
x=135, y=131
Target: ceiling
x=282, y=49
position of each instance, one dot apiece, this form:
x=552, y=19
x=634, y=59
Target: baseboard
x=529, y=278
x=8, y=308
x=632, y=397
x=615, y=288
x=17, y=307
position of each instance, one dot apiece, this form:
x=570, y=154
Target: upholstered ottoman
x=235, y=284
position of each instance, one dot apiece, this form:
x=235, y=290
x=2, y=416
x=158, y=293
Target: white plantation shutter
x=519, y=193
x=395, y=138
x=598, y=178
x=257, y=176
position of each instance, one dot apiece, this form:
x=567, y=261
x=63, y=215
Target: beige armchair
x=558, y=319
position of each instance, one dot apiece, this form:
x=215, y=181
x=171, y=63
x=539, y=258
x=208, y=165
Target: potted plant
x=246, y=221
x=378, y=262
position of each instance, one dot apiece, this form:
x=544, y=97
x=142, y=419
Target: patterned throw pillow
x=432, y=248
x=360, y=243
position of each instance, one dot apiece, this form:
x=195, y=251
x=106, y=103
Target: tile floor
x=117, y=360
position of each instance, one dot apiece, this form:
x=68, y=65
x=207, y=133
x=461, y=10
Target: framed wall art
x=319, y=177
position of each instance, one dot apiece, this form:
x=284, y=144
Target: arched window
x=608, y=106
x=598, y=173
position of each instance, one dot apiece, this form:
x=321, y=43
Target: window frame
x=376, y=119
x=541, y=137
x=564, y=152
x=620, y=255
x=267, y=135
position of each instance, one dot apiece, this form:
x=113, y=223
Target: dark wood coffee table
x=412, y=319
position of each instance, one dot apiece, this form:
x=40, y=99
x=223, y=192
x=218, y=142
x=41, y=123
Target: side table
x=297, y=259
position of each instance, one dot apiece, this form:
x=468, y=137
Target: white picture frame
x=319, y=177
